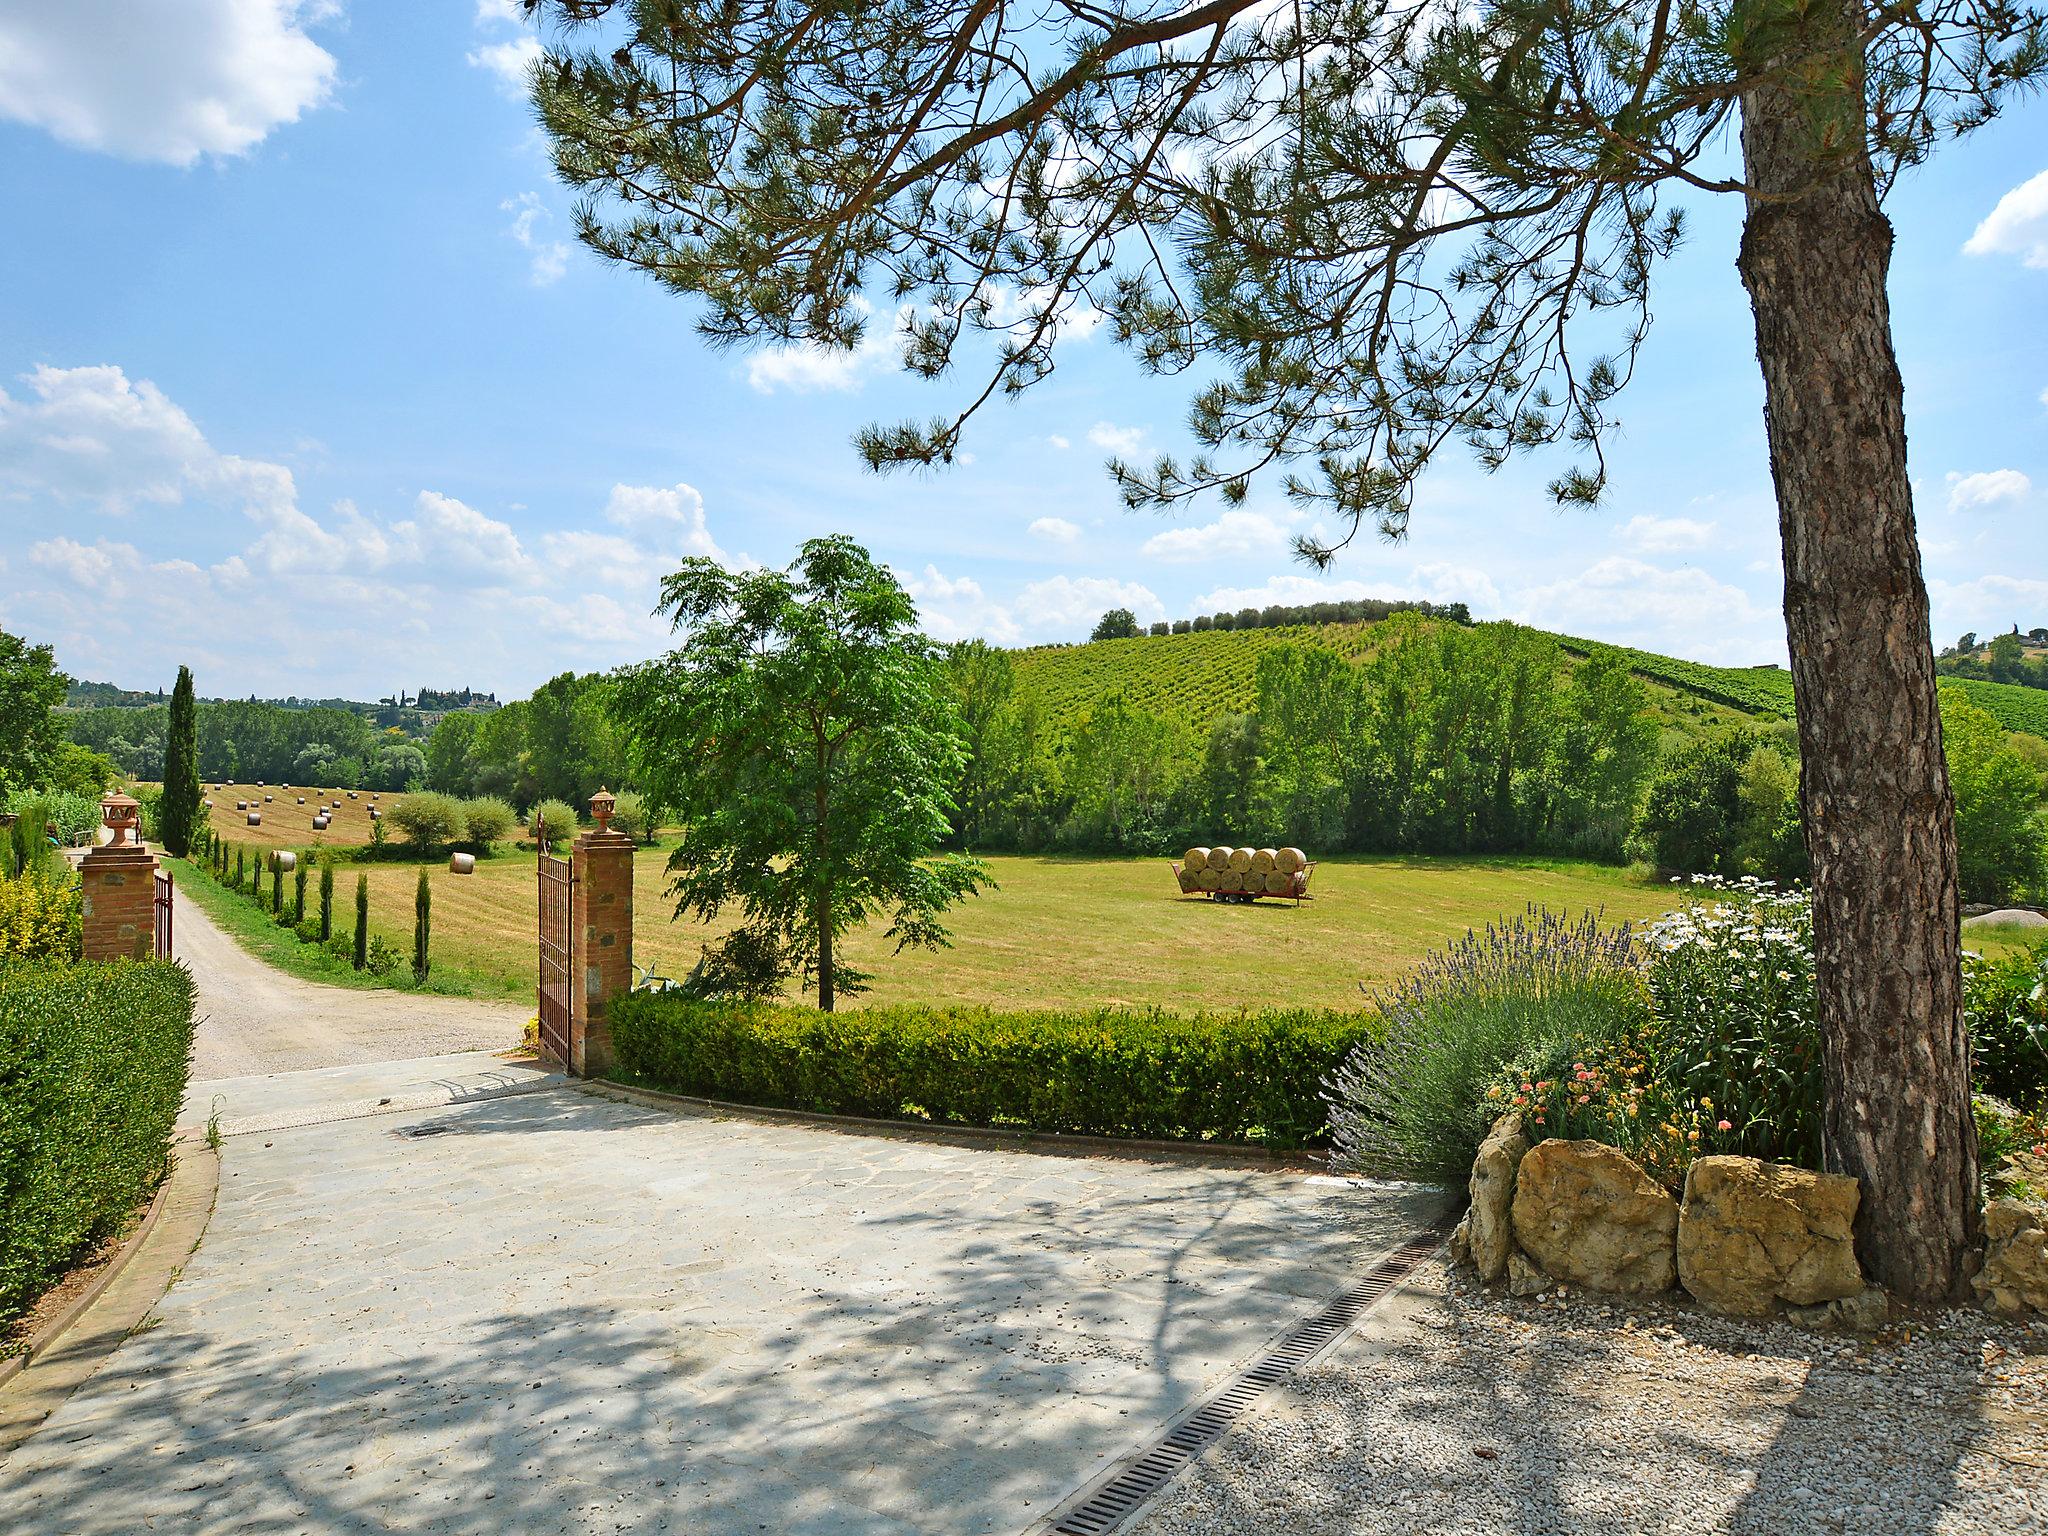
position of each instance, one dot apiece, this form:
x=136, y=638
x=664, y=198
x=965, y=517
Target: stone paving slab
x=276, y=1100
x=557, y=1312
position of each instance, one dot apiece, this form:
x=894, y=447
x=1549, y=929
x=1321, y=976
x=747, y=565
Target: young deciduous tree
x=31, y=688
x=807, y=739
x=178, y=811
x=1380, y=227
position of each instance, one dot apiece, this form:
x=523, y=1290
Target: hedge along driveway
x=1247, y=1077
x=92, y=1069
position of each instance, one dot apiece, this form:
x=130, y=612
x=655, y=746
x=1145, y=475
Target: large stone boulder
x=2015, y=1273
x=1488, y=1233
x=1752, y=1234
x=1590, y=1216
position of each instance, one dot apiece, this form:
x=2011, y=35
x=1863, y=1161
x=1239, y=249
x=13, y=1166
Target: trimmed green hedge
x=1244, y=1077
x=92, y=1070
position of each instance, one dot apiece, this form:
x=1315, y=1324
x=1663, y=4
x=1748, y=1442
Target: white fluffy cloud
x=509, y=61
x=667, y=518
x=1062, y=444
x=1054, y=530
x=92, y=437
x=1679, y=612
x=1116, y=439
x=1986, y=488
x=530, y=218
x=1234, y=535
x=446, y=586
x=806, y=367
x=2018, y=226
x=167, y=83
x=1662, y=534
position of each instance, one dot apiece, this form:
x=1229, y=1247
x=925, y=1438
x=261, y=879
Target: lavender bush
x=1413, y=1103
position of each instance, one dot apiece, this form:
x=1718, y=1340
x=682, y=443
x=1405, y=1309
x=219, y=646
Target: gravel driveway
x=1469, y=1414
x=255, y=1020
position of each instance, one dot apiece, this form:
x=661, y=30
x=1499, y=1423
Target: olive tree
x=1371, y=230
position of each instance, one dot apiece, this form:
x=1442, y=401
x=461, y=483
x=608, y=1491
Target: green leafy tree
x=1117, y=624
x=984, y=683
x=1692, y=820
x=806, y=737
x=1125, y=768
x=1374, y=229
x=31, y=688
x=450, y=765
x=178, y=811
x=1606, y=750
x=2002, y=839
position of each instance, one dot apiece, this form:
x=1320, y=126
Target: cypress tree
x=326, y=900
x=241, y=867
x=299, y=895
x=276, y=885
x=178, y=810
x=422, y=924
x=362, y=955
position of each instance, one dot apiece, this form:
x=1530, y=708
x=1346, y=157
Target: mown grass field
x=1058, y=930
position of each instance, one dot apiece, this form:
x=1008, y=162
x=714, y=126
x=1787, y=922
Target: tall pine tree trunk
x=1877, y=806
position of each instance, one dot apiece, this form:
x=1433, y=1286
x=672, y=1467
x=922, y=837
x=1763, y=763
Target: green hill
x=1201, y=676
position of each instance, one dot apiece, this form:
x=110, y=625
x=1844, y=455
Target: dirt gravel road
x=254, y=1020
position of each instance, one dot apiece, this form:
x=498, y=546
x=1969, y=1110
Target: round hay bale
x=351, y=794
x=268, y=798
x=1219, y=859
x=302, y=799
x=1290, y=861
x=1195, y=858
x=255, y=818
x=1262, y=861
x=241, y=805
x=1187, y=880
x=1278, y=884
x=1209, y=879
x=1231, y=881
x=1240, y=860
x=319, y=823
x=461, y=863
x=208, y=804
x=284, y=861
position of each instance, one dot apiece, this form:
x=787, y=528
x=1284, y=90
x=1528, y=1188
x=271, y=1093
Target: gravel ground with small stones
x=1459, y=1411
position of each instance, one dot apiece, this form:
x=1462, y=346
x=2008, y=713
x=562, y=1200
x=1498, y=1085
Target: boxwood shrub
x=1239, y=1077
x=92, y=1070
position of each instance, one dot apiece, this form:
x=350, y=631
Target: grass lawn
x=1059, y=930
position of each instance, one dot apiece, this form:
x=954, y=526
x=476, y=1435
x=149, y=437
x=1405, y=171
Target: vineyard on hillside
x=1193, y=678
x=1197, y=678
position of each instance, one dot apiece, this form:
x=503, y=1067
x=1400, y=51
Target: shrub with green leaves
x=560, y=817
x=2005, y=1006
x=1413, y=1101
x=92, y=1070
x=629, y=815
x=487, y=820
x=428, y=819
x=1242, y=1077
x=41, y=917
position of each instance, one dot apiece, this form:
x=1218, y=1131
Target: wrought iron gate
x=163, y=913
x=556, y=960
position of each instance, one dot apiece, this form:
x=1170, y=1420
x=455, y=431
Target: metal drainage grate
x=1116, y=1500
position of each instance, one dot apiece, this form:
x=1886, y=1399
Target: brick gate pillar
x=117, y=886
x=601, y=930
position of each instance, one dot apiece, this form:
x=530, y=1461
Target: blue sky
x=305, y=384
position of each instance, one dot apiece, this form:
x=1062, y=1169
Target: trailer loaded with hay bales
x=1245, y=874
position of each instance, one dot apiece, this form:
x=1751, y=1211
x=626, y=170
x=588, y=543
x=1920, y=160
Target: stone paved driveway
x=559, y=1311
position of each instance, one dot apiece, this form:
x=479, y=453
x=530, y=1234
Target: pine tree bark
x=1877, y=807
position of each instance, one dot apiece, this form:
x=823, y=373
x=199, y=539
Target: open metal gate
x=556, y=959
x=163, y=913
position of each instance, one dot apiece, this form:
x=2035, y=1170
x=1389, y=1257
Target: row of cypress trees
x=213, y=853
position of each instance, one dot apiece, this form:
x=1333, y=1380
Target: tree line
x=1447, y=739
